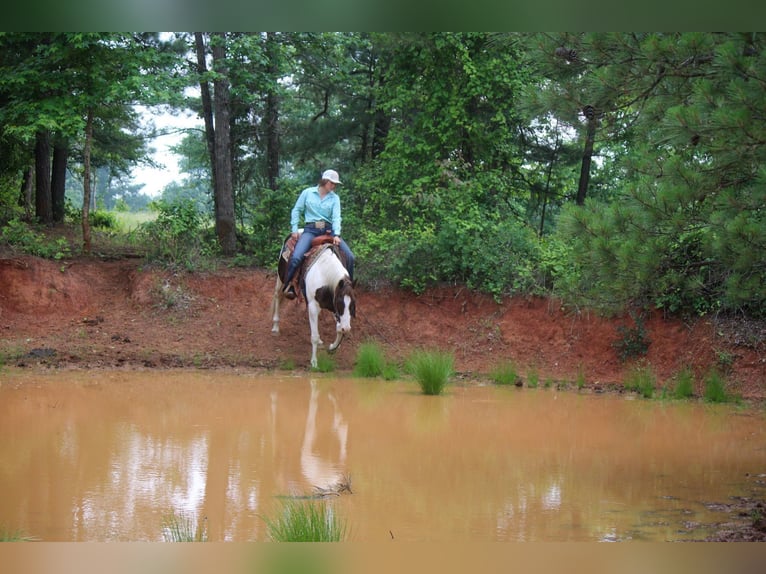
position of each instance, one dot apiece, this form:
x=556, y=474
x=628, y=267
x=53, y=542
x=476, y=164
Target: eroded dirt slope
x=92, y=313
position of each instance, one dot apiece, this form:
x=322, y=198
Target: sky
x=154, y=180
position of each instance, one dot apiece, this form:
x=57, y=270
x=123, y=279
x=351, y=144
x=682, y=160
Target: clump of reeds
x=641, y=380
x=715, y=388
x=684, y=387
x=306, y=521
x=504, y=373
x=432, y=370
x=181, y=528
x=370, y=360
x=325, y=363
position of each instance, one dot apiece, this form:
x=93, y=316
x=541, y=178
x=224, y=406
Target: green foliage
x=684, y=384
x=505, y=373
x=23, y=237
x=370, y=360
x=715, y=388
x=178, y=237
x=533, y=378
x=432, y=370
x=325, y=363
x=306, y=521
x=633, y=341
x=641, y=379
x=181, y=528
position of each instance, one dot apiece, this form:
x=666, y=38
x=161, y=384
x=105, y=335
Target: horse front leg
x=338, y=339
x=275, y=305
x=313, y=311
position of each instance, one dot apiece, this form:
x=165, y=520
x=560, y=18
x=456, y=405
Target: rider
x=320, y=207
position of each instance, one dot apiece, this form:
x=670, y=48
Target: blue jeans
x=304, y=244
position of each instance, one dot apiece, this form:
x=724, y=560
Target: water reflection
x=322, y=472
x=107, y=456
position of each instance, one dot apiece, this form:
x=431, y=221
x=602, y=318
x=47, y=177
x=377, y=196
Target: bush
x=22, y=236
x=633, y=341
x=177, y=237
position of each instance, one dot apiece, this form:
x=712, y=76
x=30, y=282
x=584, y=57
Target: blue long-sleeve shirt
x=315, y=208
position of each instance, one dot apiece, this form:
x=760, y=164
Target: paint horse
x=325, y=284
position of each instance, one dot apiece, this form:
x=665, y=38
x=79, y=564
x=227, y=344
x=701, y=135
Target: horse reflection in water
x=325, y=476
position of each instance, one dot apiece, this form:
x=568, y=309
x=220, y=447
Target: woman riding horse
x=320, y=208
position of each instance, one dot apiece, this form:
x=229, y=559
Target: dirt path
x=91, y=313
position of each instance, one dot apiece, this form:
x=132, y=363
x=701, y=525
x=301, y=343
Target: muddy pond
x=109, y=456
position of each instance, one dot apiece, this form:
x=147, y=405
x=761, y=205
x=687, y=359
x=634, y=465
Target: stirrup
x=289, y=291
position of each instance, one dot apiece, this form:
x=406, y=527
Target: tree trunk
x=43, y=199
x=223, y=187
x=587, y=156
x=207, y=101
x=86, y=183
x=27, y=190
x=272, y=115
x=58, y=181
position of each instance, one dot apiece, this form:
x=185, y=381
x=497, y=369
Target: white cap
x=332, y=175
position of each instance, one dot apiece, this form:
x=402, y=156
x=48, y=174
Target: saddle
x=318, y=244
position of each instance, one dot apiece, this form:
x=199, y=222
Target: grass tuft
x=684, y=388
x=641, y=380
x=325, y=363
x=505, y=373
x=715, y=388
x=370, y=360
x=306, y=521
x=181, y=528
x=432, y=370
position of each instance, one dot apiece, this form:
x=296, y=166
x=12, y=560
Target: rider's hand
x=336, y=240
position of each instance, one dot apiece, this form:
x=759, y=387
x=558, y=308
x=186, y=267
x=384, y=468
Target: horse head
x=344, y=303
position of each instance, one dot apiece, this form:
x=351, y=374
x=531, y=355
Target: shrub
x=432, y=370
x=177, y=237
x=633, y=341
x=22, y=236
x=306, y=521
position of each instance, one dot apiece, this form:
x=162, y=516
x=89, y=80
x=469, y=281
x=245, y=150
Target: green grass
x=504, y=374
x=641, y=380
x=370, y=360
x=306, y=521
x=180, y=528
x=533, y=378
x=325, y=363
x=684, y=387
x=715, y=388
x=432, y=370
x=14, y=536
x=130, y=220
